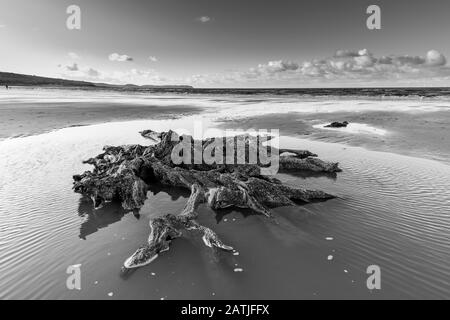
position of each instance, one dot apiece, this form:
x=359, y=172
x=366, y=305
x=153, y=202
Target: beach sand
x=412, y=126
x=419, y=134
x=391, y=209
x=24, y=119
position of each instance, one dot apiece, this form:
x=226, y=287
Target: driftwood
x=124, y=174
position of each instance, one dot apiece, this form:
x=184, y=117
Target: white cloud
x=136, y=76
x=153, y=59
x=345, y=54
x=73, y=56
x=92, y=73
x=435, y=58
x=358, y=67
x=73, y=67
x=2, y=26
x=345, y=67
x=364, y=52
x=365, y=66
x=204, y=19
x=277, y=66
x=119, y=58
x=80, y=73
x=133, y=76
x=364, y=61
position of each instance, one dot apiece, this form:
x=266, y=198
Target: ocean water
x=391, y=211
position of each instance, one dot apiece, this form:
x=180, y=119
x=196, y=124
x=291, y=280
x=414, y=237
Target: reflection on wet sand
x=221, y=216
x=112, y=212
x=308, y=174
x=96, y=219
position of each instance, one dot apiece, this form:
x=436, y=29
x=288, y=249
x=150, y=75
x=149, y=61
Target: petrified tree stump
x=124, y=174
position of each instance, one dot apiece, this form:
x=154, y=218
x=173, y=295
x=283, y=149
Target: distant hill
x=15, y=79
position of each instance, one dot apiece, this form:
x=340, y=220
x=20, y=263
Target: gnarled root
x=165, y=229
x=124, y=173
x=296, y=163
x=161, y=234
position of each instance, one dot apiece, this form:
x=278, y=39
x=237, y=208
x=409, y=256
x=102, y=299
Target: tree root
x=124, y=173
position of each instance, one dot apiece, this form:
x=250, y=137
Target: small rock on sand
x=338, y=125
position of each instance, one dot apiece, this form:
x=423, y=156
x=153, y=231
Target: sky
x=230, y=43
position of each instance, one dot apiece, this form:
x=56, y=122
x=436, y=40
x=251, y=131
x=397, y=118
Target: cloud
x=204, y=19
x=365, y=61
x=73, y=67
x=2, y=26
x=73, y=56
x=343, y=68
x=363, y=65
x=435, y=58
x=345, y=54
x=153, y=59
x=134, y=76
x=277, y=66
x=407, y=60
x=119, y=58
x=354, y=67
x=92, y=73
x=74, y=71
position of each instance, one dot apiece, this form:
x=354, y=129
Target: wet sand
x=391, y=211
x=25, y=119
x=413, y=127
x=419, y=134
